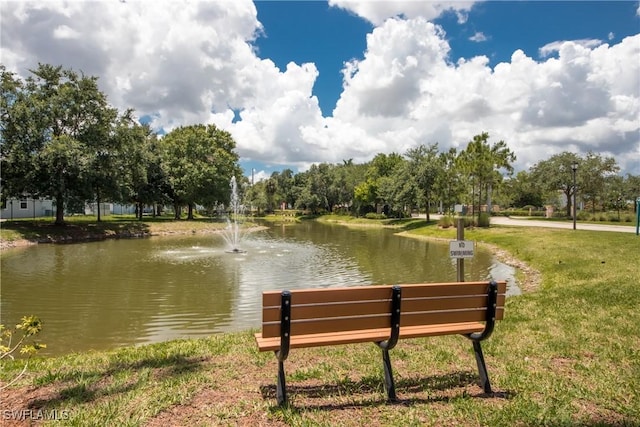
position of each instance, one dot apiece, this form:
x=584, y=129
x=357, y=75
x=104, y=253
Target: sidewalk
x=524, y=222
x=515, y=221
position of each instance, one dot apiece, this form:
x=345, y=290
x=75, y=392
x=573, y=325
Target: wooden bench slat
x=446, y=329
x=326, y=295
x=369, y=335
x=377, y=292
x=301, y=312
x=422, y=290
x=329, y=324
x=316, y=340
x=364, y=308
x=446, y=303
x=437, y=318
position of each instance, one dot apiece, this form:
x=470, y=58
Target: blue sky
x=314, y=31
x=331, y=37
x=304, y=82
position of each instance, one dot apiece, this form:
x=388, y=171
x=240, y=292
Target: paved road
x=523, y=222
x=502, y=220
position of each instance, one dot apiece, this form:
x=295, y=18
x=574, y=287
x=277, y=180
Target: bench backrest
x=326, y=310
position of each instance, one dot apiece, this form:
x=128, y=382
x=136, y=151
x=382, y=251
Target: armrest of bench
x=396, y=299
x=285, y=326
x=492, y=301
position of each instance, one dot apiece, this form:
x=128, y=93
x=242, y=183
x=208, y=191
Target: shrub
x=446, y=221
x=583, y=215
x=373, y=215
x=28, y=327
x=484, y=220
x=522, y=212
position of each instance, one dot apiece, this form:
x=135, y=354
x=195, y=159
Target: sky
x=303, y=82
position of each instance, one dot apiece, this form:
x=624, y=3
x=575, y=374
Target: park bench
x=380, y=314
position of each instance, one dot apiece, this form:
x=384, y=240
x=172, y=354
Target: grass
x=399, y=223
x=567, y=354
x=86, y=227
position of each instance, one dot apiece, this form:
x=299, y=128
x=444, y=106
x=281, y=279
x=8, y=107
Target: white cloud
x=463, y=16
x=64, y=32
x=554, y=47
x=193, y=62
x=478, y=37
x=377, y=12
x=585, y=99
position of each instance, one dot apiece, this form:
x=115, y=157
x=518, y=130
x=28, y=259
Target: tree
x=449, y=183
x=422, y=171
x=556, y=174
x=255, y=196
x=525, y=190
x=270, y=188
x=615, y=193
x=364, y=194
x=308, y=201
x=595, y=171
x=285, y=186
x=318, y=183
x=632, y=189
x=56, y=124
x=143, y=179
x=483, y=163
x=199, y=161
x=381, y=167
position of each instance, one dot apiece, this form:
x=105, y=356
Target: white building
x=26, y=208
x=44, y=208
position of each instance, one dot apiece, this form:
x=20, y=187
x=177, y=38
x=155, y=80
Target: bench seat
x=367, y=335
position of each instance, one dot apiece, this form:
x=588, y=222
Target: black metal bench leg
x=482, y=367
x=281, y=391
x=389, y=384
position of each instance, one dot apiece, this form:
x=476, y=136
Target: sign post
x=637, y=216
x=461, y=249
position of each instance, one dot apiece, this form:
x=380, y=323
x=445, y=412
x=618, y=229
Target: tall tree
x=144, y=181
x=56, y=124
x=271, y=186
x=614, y=194
x=447, y=185
x=484, y=164
x=556, y=174
x=199, y=161
x=525, y=190
x=596, y=170
x=285, y=184
x=379, y=170
x=632, y=189
x=423, y=169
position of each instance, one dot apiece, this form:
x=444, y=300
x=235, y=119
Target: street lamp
x=574, y=168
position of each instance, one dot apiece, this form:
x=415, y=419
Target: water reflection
x=106, y=294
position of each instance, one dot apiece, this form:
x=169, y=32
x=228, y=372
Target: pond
x=113, y=293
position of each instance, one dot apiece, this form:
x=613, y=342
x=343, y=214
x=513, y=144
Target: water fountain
x=232, y=233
